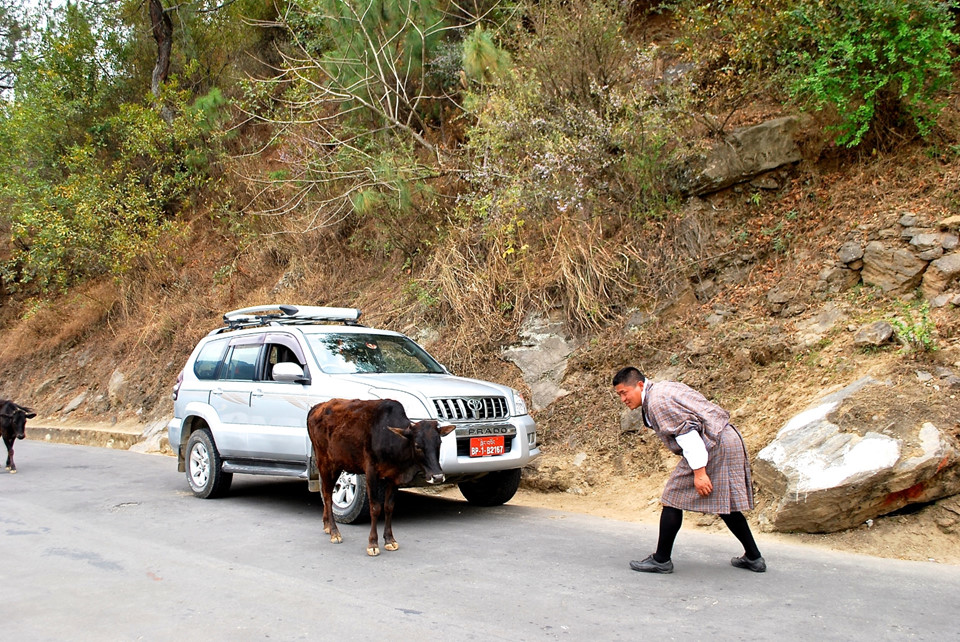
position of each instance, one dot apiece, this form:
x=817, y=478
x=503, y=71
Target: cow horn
x=402, y=432
x=445, y=428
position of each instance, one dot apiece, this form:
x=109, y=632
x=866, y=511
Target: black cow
x=377, y=439
x=13, y=424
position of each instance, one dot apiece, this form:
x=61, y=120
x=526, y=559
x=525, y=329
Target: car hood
x=430, y=386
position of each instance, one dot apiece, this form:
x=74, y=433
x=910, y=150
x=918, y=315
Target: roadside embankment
x=121, y=436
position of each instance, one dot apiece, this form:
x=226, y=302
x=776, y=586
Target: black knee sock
x=737, y=524
x=670, y=520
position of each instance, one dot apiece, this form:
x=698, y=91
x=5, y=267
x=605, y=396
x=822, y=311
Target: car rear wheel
x=204, y=467
x=350, y=501
x=492, y=489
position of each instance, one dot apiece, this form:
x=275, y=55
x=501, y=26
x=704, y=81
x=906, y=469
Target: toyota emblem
x=474, y=405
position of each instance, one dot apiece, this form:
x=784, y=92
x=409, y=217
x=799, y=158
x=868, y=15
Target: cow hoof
x=392, y=546
x=336, y=539
x=373, y=552
x=326, y=529
x=13, y=472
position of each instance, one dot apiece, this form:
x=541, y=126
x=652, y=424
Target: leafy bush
x=92, y=178
x=915, y=329
x=879, y=63
x=733, y=39
x=106, y=211
x=578, y=50
x=569, y=131
x=873, y=60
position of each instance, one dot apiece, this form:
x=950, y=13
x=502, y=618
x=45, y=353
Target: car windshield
x=360, y=353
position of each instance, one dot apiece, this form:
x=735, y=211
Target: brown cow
x=13, y=424
x=377, y=439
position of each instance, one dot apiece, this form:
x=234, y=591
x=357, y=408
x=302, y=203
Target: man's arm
x=695, y=453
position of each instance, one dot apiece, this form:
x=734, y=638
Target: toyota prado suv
x=241, y=403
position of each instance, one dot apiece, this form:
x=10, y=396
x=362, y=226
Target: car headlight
x=519, y=405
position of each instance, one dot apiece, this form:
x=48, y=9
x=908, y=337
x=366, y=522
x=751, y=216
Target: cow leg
x=376, y=507
x=12, y=467
x=389, y=497
x=327, y=480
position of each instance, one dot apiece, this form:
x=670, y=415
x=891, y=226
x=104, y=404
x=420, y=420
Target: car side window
x=241, y=363
x=205, y=367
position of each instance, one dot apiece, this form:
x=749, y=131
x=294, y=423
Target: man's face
x=630, y=394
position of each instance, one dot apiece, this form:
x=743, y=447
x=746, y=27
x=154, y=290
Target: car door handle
x=217, y=391
x=257, y=393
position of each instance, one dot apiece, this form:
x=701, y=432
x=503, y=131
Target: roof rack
x=286, y=314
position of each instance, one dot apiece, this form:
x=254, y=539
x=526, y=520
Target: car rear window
x=205, y=367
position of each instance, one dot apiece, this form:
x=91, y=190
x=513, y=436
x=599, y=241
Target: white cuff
x=693, y=449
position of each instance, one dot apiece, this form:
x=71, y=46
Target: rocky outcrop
x=900, y=259
x=116, y=388
x=873, y=335
x=542, y=358
x=743, y=155
x=940, y=274
x=854, y=455
x=893, y=270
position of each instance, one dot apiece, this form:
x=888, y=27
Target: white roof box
x=292, y=313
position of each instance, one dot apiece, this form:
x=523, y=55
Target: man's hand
x=702, y=482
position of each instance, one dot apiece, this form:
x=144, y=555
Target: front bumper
x=523, y=448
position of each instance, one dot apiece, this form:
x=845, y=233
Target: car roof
x=304, y=328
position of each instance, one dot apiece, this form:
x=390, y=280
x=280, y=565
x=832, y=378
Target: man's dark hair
x=629, y=375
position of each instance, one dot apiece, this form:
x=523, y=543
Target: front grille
x=463, y=446
x=471, y=408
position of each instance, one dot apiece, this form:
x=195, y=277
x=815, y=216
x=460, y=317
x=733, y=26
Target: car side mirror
x=289, y=372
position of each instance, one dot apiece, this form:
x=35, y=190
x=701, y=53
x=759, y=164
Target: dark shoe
x=650, y=565
x=757, y=565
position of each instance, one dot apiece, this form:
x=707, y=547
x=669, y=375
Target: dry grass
x=43, y=328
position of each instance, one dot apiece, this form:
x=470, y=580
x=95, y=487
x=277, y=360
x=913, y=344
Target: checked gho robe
x=671, y=409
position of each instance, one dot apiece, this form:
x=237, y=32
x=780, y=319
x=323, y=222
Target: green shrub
x=94, y=173
x=579, y=50
x=915, y=329
x=874, y=61
x=880, y=64
x=113, y=204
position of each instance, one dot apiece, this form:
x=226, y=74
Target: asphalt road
x=104, y=544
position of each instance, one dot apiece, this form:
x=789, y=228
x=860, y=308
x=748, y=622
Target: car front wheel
x=350, y=502
x=492, y=489
x=204, y=467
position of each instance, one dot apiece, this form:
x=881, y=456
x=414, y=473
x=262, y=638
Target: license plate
x=486, y=446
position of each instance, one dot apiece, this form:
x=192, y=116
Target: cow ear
x=401, y=432
x=446, y=429
x=31, y=415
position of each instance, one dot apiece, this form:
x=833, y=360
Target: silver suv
x=241, y=402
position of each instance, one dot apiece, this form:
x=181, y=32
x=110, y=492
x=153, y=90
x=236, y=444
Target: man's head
x=629, y=385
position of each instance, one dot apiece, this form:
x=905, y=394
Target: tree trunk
x=163, y=33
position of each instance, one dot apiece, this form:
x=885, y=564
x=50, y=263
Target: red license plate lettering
x=486, y=446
